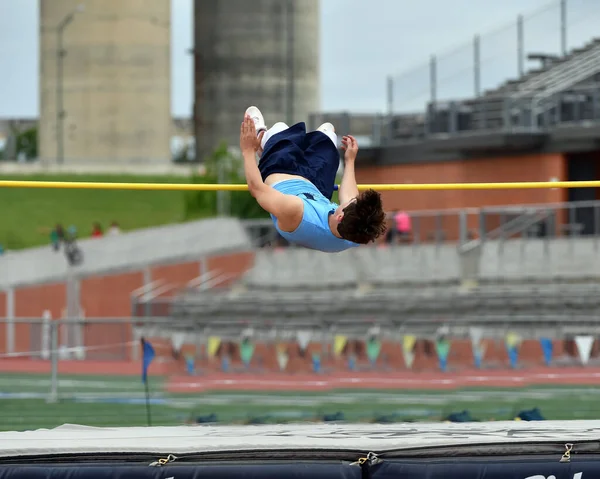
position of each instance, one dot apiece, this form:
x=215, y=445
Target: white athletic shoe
x=326, y=127
x=257, y=117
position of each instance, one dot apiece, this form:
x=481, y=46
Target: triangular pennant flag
x=352, y=362
x=442, y=348
x=478, y=357
x=246, y=352
x=512, y=340
x=547, y=348
x=148, y=354
x=213, y=346
x=513, y=356
x=476, y=335
x=373, y=350
x=443, y=362
x=225, y=363
x=177, y=340
x=247, y=333
x=316, y=360
x=409, y=358
x=339, y=343
x=282, y=357
x=479, y=353
x=190, y=364
x=584, y=346
x=303, y=338
x=408, y=343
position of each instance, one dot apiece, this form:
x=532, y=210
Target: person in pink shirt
x=403, y=225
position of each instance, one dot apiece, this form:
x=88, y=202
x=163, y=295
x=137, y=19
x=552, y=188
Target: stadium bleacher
x=560, y=92
x=541, y=260
x=296, y=267
x=557, y=76
x=518, y=280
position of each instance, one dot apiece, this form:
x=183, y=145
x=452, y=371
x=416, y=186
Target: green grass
x=20, y=415
x=25, y=414
x=103, y=401
x=29, y=214
x=77, y=385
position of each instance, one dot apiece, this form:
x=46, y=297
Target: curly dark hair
x=364, y=219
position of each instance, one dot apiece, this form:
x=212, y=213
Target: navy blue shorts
x=310, y=155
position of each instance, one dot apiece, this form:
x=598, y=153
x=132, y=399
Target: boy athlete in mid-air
x=294, y=182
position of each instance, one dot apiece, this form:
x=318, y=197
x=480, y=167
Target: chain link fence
x=489, y=59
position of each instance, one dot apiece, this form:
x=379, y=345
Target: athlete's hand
x=350, y=146
x=248, y=140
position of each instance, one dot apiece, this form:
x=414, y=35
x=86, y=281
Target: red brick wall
x=109, y=296
x=176, y=274
x=235, y=264
x=539, y=167
x=108, y=341
x=32, y=301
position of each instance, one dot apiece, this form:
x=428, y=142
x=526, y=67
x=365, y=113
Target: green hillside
x=28, y=215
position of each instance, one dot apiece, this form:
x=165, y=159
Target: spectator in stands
x=71, y=233
x=114, y=229
x=403, y=224
x=72, y=251
x=57, y=236
x=294, y=182
x=97, y=230
x=390, y=234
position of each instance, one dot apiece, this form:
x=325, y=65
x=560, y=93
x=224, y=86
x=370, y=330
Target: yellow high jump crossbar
x=77, y=185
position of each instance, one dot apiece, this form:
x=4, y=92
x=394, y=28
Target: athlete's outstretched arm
x=287, y=209
x=249, y=144
x=348, y=188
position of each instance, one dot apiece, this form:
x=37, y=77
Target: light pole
x=60, y=54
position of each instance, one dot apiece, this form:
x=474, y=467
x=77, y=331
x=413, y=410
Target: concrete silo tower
x=114, y=86
x=263, y=52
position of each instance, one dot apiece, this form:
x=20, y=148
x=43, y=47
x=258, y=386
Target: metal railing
x=441, y=120
x=146, y=301
x=461, y=225
x=117, y=340
x=550, y=220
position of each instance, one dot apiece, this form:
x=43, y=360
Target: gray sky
x=361, y=44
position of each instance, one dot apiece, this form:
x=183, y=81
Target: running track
x=395, y=380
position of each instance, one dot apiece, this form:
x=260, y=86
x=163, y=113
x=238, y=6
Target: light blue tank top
x=313, y=232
